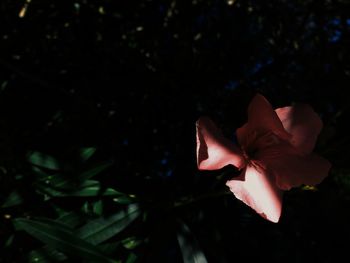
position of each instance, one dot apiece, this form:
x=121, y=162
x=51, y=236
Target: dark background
x=131, y=78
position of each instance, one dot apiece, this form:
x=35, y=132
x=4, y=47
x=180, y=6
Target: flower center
x=257, y=142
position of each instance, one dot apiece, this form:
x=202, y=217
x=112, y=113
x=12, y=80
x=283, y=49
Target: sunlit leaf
x=125, y=199
x=191, y=252
x=56, y=237
x=15, y=198
x=101, y=229
x=131, y=242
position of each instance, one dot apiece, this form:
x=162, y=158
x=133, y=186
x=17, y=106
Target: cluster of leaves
x=75, y=217
x=80, y=231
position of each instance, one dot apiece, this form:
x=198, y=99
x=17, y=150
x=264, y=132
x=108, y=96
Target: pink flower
x=274, y=154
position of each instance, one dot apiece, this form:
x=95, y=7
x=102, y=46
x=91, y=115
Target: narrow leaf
x=46, y=255
x=87, y=153
x=9, y=241
x=43, y=160
x=62, y=240
x=191, y=252
x=109, y=248
x=101, y=229
x=13, y=199
x=97, y=169
x=131, y=258
x=131, y=242
x=71, y=219
x=89, y=188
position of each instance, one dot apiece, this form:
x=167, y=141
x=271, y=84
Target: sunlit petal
x=214, y=151
x=256, y=188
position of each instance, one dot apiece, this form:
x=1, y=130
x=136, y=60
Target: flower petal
x=261, y=119
x=303, y=123
x=291, y=169
x=214, y=151
x=257, y=189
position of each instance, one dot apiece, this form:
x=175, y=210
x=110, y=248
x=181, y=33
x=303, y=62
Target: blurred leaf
x=97, y=169
x=125, y=199
x=40, y=173
x=87, y=153
x=9, y=241
x=131, y=258
x=88, y=188
x=59, y=225
x=131, y=242
x=68, y=182
x=101, y=229
x=38, y=256
x=56, y=237
x=86, y=208
x=98, y=207
x=58, y=182
x=109, y=248
x=13, y=199
x=309, y=188
x=46, y=254
x=43, y=160
x=71, y=219
x=191, y=252
x=128, y=243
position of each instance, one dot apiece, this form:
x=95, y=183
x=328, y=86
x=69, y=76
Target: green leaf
x=69, y=182
x=191, y=252
x=93, y=188
x=131, y=258
x=9, y=241
x=87, y=153
x=46, y=255
x=68, y=221
x=131, y=242
x=71, y=219
x=43, y=160
x=128, y=243
x=59, y=182
x=56, y=237
x=125, y=199
x=98, y=207
x=97, y=169
x=109, y=248
x=101, y=229
x=38, y=256
x=89, y=188
x=13, y=199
